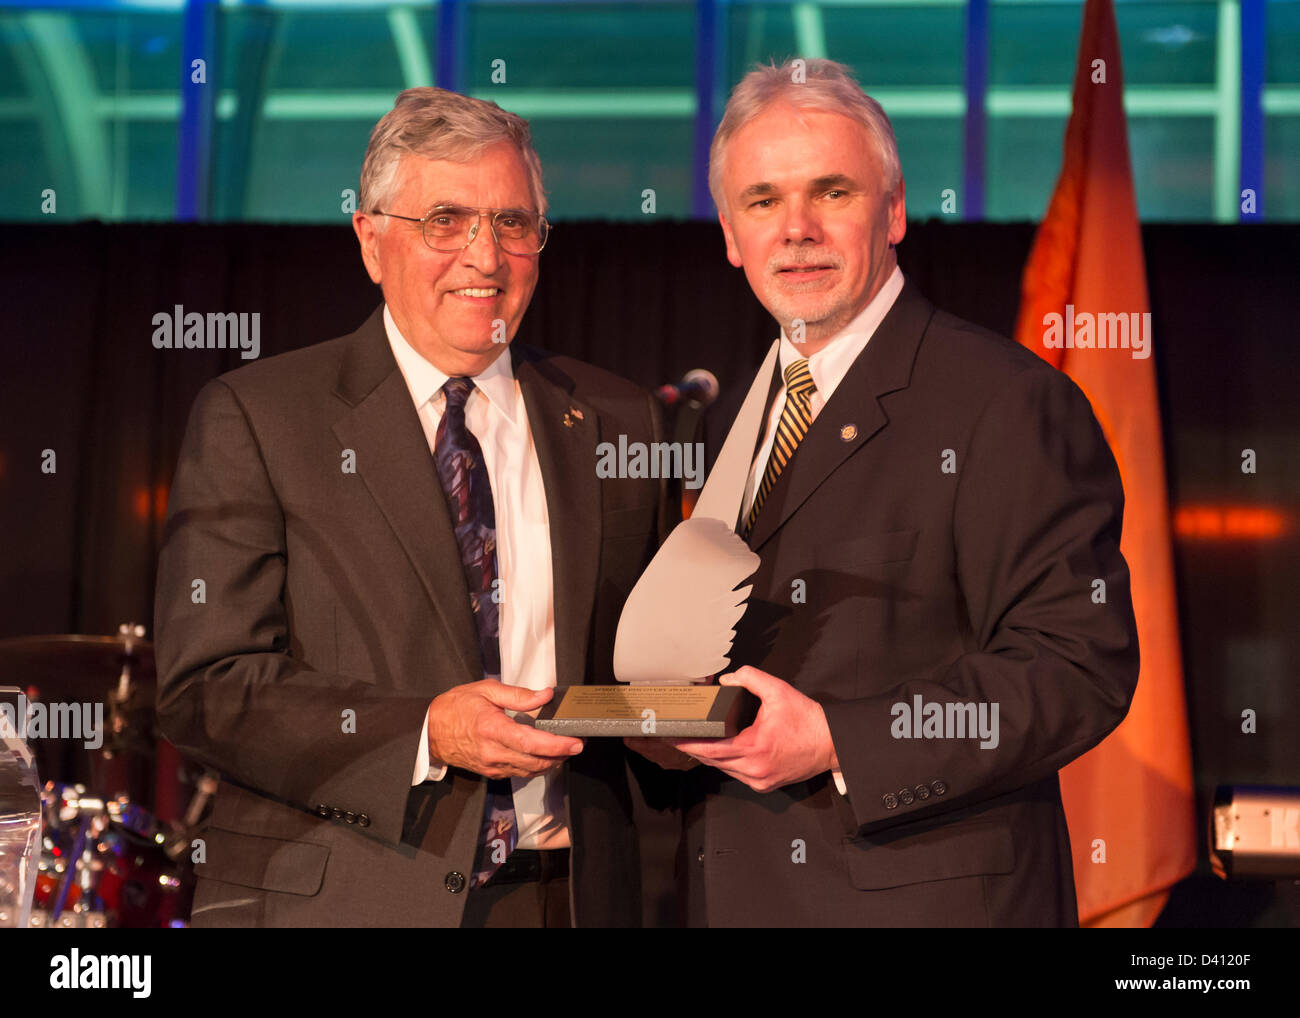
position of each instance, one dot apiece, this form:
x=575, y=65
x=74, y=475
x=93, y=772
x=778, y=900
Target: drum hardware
x=110, y=859
x=104, y=860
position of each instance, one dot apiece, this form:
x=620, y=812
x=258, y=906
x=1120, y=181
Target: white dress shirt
x=828, y=366
x=495, y=415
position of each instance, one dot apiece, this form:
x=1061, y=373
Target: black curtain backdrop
x=80, y=376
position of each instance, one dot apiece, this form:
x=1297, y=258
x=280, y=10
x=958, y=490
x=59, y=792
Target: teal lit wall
x=97, y=106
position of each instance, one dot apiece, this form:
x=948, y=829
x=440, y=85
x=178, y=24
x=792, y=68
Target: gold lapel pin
x=570, y=415
x=848, y=433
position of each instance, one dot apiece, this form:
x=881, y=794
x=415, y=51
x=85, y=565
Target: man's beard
x=815, y=310
x=828, y=312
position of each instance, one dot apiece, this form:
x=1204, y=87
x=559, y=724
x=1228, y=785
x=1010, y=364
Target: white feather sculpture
x=679, y=621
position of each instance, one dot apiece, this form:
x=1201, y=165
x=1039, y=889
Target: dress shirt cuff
x=839, y=781
x=426, y=769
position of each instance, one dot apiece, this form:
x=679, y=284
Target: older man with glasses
x=401, y=535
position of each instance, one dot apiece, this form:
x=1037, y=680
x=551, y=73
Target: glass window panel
x=1282, y=111
x=758, y=34
x=894, y=44
x=88, y=106
x=300, y=92
x=887, y=45
x=26, y=171
x=130, y=51
x=910, y=56
x=1173, y=166
x=609, y=92
x=148, y=147
x=299, y=169
x=1168, y=44
x=89, y=97
x=1033, y=43
x=625, y=46
x=1282, y=167
x=13, y=85
x=598, y=169
x=1033, y=49
x=1282, y=44
x=333, y=50
x=930, y=150
x=1024, y=161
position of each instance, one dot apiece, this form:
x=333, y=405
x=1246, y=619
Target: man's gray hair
x=821, y=85
x=438, y=124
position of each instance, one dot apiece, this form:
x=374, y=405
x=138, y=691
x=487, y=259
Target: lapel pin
x=848, y=433
x=573, y=413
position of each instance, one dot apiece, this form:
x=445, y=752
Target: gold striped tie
x=796, y=418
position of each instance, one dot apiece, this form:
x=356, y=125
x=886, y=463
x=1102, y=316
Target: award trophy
x=677, y=625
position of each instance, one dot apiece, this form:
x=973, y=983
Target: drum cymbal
x=114, y=751
x=74, y=667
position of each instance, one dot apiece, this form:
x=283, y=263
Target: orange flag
x=1084, y=309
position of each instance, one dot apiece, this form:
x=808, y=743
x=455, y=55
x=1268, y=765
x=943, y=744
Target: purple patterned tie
x=464, y=477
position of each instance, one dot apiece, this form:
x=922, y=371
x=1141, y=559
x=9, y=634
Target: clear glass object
x=20, y=821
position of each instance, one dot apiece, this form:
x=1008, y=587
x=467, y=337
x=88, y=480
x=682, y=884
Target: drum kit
x=83, y=849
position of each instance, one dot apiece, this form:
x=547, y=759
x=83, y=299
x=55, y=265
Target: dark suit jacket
x=974, y=585
x=337, y=600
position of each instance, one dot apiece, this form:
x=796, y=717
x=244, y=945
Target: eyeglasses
x=454, y=227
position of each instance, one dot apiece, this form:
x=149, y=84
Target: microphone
x=697, y=386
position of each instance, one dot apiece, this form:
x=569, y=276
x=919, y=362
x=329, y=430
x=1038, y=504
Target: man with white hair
x=400, y=536
x=941, y=615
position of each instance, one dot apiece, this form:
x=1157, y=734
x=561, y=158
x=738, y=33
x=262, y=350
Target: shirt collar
x=424, y=381
x=831, y=363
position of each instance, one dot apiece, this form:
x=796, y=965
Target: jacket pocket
x=941, y=853
x=272, y=864
x=893, y=546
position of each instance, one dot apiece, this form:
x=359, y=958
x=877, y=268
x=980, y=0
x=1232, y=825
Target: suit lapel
x=565, y=433
x=394, y=462
x=853, y=415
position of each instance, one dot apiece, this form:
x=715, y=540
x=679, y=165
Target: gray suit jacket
x=306, y=616
x=948, y=515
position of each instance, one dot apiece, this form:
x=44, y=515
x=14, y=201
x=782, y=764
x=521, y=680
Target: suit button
x=938, y=787
x=337, y=813
x=890, y=800
x=323, y=811
x=906, y=797
x=922, y=792
x=363, y=820
x=350, y=817
x=454, y=882
x=700, y=856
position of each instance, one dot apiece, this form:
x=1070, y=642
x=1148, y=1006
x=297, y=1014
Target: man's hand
x=661, y=751
x=468, y=728
x=789, y=740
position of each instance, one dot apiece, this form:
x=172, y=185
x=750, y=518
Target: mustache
x=804, y=259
